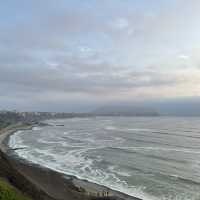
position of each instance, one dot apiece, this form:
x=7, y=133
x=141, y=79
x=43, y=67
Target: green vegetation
x=7, y=192
x=4, y=124
x=8, y=118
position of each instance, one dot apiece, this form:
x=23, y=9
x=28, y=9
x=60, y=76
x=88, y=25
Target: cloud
x=98, y=51
x=80, y=77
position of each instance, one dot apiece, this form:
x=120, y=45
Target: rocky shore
x=45, y=184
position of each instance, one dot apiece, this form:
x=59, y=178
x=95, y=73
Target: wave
x=161, y=143
x=36, y=128
x=149, y=156
x=15, y=141
x=179, y=135
x=152, y=131
x=161, y=149
x=127, y=129
x=178, y=178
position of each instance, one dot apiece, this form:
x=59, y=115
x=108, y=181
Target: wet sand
x=45, y=184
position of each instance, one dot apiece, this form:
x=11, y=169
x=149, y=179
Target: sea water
x=154, y=158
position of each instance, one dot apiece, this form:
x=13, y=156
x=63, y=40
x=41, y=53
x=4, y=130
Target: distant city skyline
x=77, y=55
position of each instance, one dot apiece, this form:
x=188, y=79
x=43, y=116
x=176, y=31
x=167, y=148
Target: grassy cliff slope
x=8, y=192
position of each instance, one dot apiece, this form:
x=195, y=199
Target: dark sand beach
x=44, y=184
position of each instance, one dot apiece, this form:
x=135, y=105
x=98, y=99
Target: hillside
x=125, y=110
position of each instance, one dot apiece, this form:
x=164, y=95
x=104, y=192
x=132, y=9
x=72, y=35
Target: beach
x=45, y=184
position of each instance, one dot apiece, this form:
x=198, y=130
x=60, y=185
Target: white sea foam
x=110, y=128
x=128, y=129
x=15, y=140
x=70, y=164
x=139, y=129
x=72, y=160
x=74, y=163
x=118, y=171
x=36, y=128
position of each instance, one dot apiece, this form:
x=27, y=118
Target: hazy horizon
x=76, y=56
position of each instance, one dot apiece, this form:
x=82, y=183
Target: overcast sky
x=72, y=55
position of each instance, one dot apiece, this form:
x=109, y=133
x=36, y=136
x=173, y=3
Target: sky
x=75, y=55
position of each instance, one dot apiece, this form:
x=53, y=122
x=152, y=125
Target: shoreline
x=47, y=183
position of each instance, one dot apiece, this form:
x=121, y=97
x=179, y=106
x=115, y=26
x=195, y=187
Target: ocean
x=153, y=158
